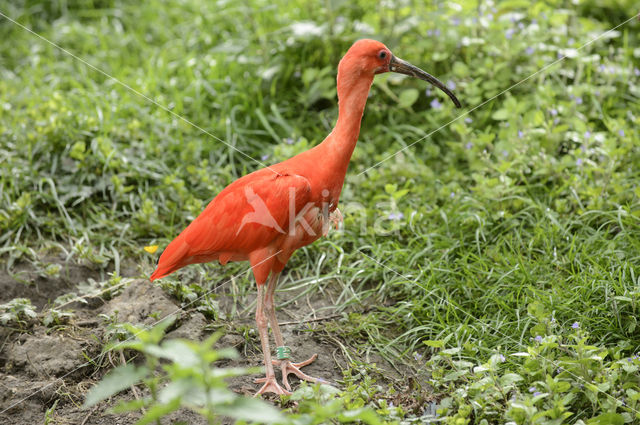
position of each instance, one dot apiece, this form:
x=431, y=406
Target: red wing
x=245, y=216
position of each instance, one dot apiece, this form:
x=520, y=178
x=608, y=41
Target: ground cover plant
x=489, y=262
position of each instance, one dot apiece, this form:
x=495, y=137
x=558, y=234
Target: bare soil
x=52, y=368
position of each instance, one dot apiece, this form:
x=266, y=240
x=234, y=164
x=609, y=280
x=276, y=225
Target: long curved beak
x=403, y=67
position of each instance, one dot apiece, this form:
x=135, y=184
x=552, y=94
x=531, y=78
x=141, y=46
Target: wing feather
x=247, y=215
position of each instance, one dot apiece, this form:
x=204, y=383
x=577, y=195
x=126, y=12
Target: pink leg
x=286, y=366
x=270, y=383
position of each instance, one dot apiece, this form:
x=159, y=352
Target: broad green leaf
x=390, y=188
x=408, y=97
x=251, y=409
x=500, y=115
x=157, y=411
x=365, y=415
x=176, y=351
x=510, y=378
x=179, y=388
x=607, y=419
x=115, y=381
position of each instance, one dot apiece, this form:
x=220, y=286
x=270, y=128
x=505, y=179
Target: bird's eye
x=382, y=54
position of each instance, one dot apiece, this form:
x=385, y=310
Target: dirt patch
x=140, y=303
x=49, y=368
x=25, y=281
x=46, y=356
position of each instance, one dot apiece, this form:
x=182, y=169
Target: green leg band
x=283, y=352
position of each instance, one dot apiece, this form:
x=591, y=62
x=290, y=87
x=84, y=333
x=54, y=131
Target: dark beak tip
x=403, y=67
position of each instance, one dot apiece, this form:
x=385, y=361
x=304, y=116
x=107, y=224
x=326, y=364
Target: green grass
x=530, y=206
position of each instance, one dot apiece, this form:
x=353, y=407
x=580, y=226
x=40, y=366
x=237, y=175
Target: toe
x=271, y=386
x=306, y=362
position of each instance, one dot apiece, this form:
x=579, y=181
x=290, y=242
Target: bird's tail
x=172, y=258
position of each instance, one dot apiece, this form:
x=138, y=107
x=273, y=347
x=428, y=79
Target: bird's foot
x=288, y=368
x=335, y=218
x=270, y=386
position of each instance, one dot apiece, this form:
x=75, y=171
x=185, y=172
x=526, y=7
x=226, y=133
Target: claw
x=335, y=218
x=288, y=368
x=270, y=386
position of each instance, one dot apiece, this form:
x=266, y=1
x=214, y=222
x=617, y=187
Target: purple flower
x=587, y=134
x=417, y=356
x=578, y=163
x=621, y=133
x=501, y=358
x=437, y=33
x=264, y=157
x=560, y=55
x=530, y=50
x=452, y=195
x=636, y=72
x=455, y=21
x=288, y=141
x=553, y=112
x=534, y=22
x=520, y=25
x=538, y=338
x=520, y=134
x=396, y=216
x=575, y=325
x=505, y=153
x=537, y=393
x=509, y=33
x=468, y=120
x=435, y=104
x=451, y=85
x=468, y=146
x=578, y=100
x=602, y=68
x=532, y=389
x=427, y=91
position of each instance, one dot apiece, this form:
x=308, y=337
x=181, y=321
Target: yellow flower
x=151, y=249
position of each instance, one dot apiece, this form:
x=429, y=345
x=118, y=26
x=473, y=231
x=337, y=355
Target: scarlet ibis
x=265, y=216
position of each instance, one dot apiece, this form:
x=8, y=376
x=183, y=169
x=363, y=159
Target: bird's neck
x=352, y=98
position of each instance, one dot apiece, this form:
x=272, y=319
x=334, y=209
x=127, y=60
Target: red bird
x=265, y=216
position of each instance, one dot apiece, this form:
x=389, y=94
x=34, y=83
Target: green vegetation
x=501, y=252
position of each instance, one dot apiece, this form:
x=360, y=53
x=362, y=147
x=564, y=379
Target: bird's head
x=372, y=57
